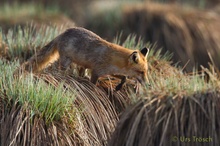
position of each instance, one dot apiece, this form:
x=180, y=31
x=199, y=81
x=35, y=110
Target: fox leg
x=123, y=80
x=81, y=71
x=94, y=77
x=64, y=62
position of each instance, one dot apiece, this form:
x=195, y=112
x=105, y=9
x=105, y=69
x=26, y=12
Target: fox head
x=138, y=65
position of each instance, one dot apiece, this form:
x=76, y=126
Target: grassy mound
x=171, y=120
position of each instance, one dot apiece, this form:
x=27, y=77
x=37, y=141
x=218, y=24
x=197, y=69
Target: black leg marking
x=119, y=86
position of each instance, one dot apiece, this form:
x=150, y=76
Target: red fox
x=85, y=48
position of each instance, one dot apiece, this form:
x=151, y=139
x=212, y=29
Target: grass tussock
x=62, y=109
x=98, y=115
x=171, y=120
x=33, y=113
x=175, y=110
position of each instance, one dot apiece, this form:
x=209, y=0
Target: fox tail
x=47, y=55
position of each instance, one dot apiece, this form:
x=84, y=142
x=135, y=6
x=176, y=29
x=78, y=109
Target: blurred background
x=190, y=29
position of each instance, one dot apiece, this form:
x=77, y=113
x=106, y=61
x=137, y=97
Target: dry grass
x=166, y=120
x=98, y=115
x=20, y=127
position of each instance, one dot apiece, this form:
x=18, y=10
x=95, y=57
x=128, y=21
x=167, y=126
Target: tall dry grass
x=190, y=34
x=171, y=120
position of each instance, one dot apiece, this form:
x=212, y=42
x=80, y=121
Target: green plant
x=50, y=104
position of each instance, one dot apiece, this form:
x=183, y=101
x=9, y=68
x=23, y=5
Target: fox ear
x=134, y=57
x=145, y=51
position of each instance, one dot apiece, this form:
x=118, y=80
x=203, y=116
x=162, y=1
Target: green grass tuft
x=42, y=99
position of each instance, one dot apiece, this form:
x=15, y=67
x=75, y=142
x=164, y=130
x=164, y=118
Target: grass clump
x=34, y=110
x=42, y=99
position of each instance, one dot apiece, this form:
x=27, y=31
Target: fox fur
x=85, y=48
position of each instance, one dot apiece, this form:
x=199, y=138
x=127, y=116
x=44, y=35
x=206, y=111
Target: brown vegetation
x=94, y=120
x=190, y=34
x=164, y=120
